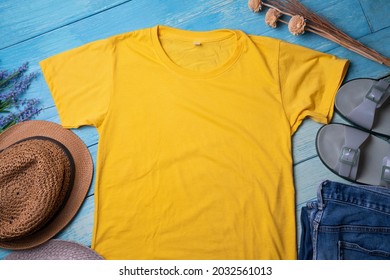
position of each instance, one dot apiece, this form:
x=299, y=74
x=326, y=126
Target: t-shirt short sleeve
x=308, y=81
x=80, y=81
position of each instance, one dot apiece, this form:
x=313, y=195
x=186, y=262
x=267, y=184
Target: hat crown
x=35, y=177
x=80, y=178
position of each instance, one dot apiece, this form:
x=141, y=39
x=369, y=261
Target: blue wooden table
x=36, y=29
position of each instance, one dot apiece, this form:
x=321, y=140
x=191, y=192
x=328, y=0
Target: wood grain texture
x=377, y=13
x=22, y=20
x=36, y=29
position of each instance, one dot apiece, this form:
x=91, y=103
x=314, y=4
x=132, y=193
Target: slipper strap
x=348, y=163
x=364, y=113
x=385, y=178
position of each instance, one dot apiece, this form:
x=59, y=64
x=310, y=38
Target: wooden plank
x=377, y=13
x=4, y=253
x=22, y=20
x=348, y=16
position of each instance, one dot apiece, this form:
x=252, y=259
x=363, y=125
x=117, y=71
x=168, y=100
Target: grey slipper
x=366, y=103
x=354, y=155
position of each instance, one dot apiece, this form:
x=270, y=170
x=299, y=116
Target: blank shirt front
x=194, y=153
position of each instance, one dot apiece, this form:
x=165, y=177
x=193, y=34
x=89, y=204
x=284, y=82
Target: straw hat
x=56, y=250
x=45, y=174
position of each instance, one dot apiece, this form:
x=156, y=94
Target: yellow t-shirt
x=194, y=154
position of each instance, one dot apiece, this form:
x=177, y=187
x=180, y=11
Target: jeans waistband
x=369, y=197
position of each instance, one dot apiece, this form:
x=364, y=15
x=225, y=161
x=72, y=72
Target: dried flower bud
x=296, y=25
x=271, y=17
x=255, y=5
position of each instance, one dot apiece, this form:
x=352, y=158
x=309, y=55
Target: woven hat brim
x=56, y=250
x=82, y=180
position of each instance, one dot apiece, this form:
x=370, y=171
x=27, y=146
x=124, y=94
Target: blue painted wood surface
x=35, y=29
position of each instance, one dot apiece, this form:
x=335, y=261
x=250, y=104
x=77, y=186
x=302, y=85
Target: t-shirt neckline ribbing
x=207, y=36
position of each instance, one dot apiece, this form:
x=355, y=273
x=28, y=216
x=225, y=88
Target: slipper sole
x=330, y=141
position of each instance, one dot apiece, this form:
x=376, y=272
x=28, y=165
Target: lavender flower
x=6, y=77
x=3, y=74
x=29, y=110
x=20, y=86
x=14, y=109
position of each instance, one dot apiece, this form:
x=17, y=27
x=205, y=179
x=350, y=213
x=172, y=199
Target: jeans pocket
x=354, y=251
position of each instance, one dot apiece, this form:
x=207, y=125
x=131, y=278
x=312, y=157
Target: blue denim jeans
x=346, y=222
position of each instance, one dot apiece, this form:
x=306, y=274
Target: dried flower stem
x=318, y=25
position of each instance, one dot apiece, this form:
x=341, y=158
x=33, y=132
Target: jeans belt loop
x=320, y=199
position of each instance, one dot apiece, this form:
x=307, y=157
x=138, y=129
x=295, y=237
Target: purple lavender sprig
x=29, y=109
x=7, y=77
x=13, y=108
x=19, y=86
